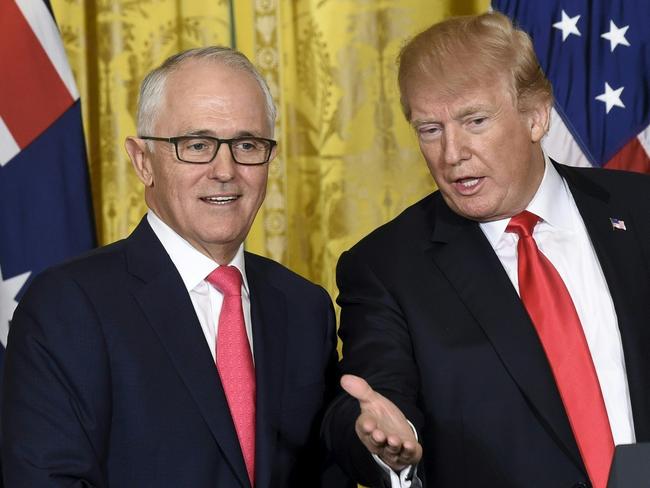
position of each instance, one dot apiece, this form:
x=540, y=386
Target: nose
x=223, y=166
x=454, y=146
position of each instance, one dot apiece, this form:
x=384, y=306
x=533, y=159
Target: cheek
x=178, y=193
x=173, y=190
x=256, y=182
x=435, y=169
x=428, y=150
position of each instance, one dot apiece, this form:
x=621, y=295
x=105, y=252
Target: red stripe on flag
x=632, y=158
x=32, y=95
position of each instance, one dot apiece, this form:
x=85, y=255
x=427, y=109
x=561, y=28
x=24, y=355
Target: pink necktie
x=551, y=309
x=235, y=362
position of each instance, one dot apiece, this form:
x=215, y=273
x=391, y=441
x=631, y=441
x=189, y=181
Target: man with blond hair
x=495, y=334
x=174, y=358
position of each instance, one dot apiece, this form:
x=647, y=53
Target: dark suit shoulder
x=96, y=264
x=408, y=228
x=626, y=184
x=606, y=174
x=623, y=191
x=279, y=275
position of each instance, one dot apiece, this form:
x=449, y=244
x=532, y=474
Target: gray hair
x=153, y=85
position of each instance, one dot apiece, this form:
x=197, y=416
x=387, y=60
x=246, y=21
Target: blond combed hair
x=467, y=51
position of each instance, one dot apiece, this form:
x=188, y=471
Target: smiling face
x=211, y=205
x=484, y=154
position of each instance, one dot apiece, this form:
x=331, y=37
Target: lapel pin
x=617, y=223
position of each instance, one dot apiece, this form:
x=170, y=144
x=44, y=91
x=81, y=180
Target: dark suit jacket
x=431, y=320
x=109, y=381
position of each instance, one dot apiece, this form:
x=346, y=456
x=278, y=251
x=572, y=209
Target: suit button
x=581, y=484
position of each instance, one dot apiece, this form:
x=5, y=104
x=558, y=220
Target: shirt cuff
x=407, y=477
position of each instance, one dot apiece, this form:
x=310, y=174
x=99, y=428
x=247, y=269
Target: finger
x=366, y=423
x=411, y=452
x=402, y=459
x=394, y=461
x=357, y=387
x=394, y=445
x=374, y=440
x=394, y=451
x=378, y=438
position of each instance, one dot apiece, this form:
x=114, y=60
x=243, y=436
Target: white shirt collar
x=549, y=203
x=192, y=265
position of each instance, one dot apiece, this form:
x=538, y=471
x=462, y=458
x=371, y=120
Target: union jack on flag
x=45, y=210
x=597, y=55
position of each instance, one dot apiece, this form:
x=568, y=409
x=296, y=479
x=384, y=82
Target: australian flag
x=45, y=205
x=597, y=55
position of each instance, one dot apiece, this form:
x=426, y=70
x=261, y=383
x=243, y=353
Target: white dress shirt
x=194, y=267
x=562, y=237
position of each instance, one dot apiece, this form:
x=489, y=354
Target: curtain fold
x=348, y=160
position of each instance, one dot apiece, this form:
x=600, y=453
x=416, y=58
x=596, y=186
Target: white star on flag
x=616, y=35
x=568, y=25
x=8, y=291
x=611, y=97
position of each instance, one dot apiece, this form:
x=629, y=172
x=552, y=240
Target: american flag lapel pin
x=617, y=224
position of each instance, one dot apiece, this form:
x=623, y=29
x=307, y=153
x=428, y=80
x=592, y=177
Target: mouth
x=220, y=199
x=468, y=186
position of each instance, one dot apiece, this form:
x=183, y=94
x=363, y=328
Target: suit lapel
x=459, y=248
x=620, y=255
x=269, y=320
x=169, y=310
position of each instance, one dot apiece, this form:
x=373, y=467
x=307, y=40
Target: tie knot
x=226, y=279
x=523, y=224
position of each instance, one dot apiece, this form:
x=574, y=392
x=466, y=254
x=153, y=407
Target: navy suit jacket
x=430, y=318
x=109, y=381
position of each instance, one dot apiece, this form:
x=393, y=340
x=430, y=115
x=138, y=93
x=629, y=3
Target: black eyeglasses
x=203, y=149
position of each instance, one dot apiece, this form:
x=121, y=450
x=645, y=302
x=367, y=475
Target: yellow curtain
x=348, y=161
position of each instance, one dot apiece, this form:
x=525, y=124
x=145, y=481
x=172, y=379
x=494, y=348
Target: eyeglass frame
x=174, y=140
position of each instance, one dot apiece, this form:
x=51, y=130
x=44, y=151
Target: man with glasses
x=174, y=358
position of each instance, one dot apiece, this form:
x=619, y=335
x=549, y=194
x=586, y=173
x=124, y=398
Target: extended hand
x=382, y=427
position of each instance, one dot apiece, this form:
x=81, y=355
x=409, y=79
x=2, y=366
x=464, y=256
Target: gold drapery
x=348, y=161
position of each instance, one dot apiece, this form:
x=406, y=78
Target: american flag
x=597, y=55
x=617, y=223
x=45, y=210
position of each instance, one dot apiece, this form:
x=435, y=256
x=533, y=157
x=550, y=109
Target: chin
x=220, y=240
x=480, y=215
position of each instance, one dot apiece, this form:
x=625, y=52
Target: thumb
x=358, y=388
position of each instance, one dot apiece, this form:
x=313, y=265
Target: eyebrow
x=462, y=113
x=472, y=109
x=211, y=133
x=418, y=122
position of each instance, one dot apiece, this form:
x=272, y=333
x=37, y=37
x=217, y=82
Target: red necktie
x=551, y=309
x=235, y=362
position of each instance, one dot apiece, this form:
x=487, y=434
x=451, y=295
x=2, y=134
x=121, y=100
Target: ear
x=539, y=118
x=274, y=153
x=138, y=153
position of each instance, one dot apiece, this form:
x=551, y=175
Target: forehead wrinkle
x=212, y=133
x=457, y=108
x=463, y=112
x=455, y=114
x=213, y=100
